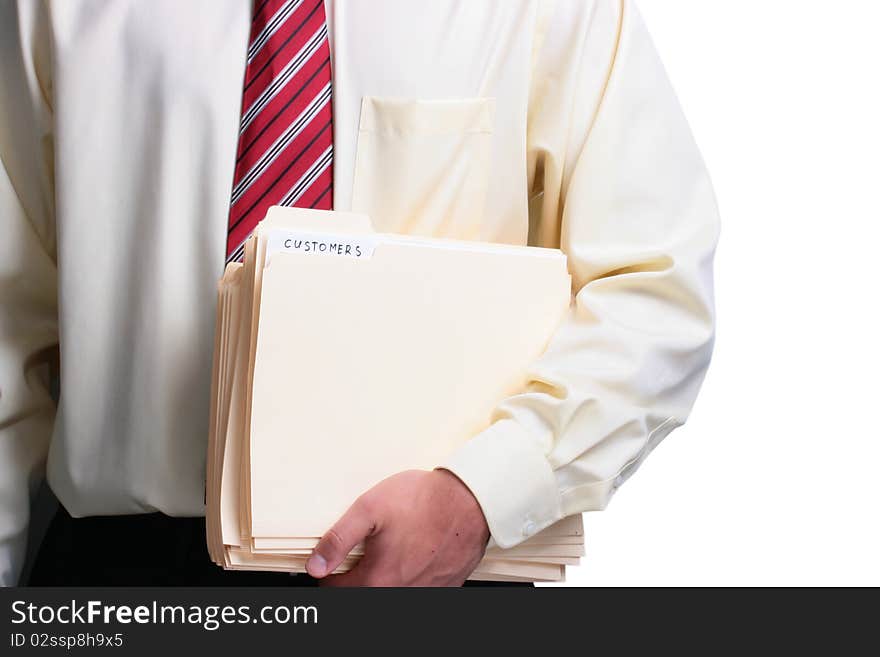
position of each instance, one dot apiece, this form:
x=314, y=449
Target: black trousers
x=140, y=550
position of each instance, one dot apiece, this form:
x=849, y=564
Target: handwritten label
x=320, y=244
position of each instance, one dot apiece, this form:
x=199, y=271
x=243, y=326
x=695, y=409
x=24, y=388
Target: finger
x=353, y=528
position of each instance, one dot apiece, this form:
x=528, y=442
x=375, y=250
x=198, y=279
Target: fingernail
x=316, y=566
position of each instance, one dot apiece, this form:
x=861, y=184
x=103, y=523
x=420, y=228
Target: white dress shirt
x=549, y=122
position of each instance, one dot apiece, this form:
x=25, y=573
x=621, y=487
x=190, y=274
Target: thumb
x=354, y=527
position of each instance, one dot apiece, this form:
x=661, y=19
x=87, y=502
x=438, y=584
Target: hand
x=418, y=529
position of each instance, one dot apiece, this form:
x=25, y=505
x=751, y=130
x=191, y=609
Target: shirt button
x=528, y=528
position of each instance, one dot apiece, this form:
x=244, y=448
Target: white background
x=775, y=480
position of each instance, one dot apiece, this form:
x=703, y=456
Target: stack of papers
x=343, y=356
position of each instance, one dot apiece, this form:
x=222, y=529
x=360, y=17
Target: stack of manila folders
x=343, y=356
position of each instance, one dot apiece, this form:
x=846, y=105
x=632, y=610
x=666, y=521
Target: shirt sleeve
x=619, y=185
x=28, y=308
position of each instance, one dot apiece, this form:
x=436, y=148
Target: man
x=125, y=124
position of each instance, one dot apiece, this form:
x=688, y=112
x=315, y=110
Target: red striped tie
x=285, y=149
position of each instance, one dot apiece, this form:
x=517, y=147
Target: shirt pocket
x=422, y=166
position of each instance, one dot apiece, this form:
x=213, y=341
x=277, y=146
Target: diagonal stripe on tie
x=283, y=43
x=316, y=174
x=286, y=74
x=293, y=131
x=271, y=28
x=272, y=185
x=263, y=130
x=285, y=151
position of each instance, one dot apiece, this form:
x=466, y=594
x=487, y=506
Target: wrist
x=468, y=508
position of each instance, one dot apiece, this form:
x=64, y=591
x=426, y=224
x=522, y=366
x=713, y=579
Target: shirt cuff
x=508, y=473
